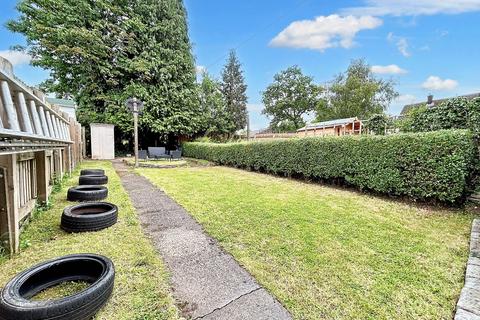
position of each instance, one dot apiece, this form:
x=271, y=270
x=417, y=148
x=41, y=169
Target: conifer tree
x=234, y=91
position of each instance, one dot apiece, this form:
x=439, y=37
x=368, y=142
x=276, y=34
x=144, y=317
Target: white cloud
x=402, y=100
x=406, y=99
x=443, y=33
x=390, y=69
x=324, y=32
x=413, y=7
x=401, y=43
x=200, y=70
x=16, y=57
x=438, y=84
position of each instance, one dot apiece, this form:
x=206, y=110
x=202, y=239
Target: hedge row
x=433, y=165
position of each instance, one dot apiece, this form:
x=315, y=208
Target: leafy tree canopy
x=291, y=96
x=217, y=120
x=356, y=93
x=378, y=124
x=102, y=52
x=234, y=90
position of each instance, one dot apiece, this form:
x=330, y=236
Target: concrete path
x=468, y=305
x=207, y=282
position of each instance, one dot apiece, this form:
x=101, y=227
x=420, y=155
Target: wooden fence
x=38, y=143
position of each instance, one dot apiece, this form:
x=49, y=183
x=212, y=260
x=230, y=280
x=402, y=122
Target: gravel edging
x=468, y=305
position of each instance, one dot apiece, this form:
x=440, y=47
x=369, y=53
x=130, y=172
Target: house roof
x=331, y=123
x=406, y=109
x=62, y=102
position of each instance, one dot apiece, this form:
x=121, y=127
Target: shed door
x=108, y=144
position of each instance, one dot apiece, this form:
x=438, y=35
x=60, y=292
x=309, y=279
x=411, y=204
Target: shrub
x=433, y=165
x=378, y=124
x=456, y=113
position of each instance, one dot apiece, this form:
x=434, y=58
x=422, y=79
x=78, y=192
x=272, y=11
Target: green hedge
x=434, y=165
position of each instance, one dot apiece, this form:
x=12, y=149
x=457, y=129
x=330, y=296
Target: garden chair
x=157, y=153
x=176, y=155
x=142, y=154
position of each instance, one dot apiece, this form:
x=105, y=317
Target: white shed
x=103, y=141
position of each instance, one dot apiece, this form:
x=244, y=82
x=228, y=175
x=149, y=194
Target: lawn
x=160, y=163
x=141, y=285
x=328, y=253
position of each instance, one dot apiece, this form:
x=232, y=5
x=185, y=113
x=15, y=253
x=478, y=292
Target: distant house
x=65, y=105
x=339, y=127
x=431, y=103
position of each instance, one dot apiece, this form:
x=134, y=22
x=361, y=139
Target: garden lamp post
x=135, y=107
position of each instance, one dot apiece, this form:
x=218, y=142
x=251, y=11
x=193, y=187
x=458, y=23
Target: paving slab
x=468, y=305
x=207, y=282
x=258, y=305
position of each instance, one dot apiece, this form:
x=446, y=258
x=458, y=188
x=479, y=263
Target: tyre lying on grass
x=92, y=180
x=87, y=193
x=85, y=172
x=16, y=297
x=87, y=217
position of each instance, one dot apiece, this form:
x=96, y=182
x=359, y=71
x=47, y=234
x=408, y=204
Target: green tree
x=379, y=123
x=234, y=90
x=217, y=120
x=291, y=96
x=356, y=93
x=102, y=52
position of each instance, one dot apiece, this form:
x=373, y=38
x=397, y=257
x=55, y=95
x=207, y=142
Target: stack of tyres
x=16, y=301
x=90, y=215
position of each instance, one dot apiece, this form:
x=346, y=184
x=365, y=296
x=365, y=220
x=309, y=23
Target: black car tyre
x=87, y=193
x=85, y=217
x=92, y=180
x=85, y=172
x=98, y=271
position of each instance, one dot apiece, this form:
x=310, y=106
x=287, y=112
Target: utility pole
x=248, y=126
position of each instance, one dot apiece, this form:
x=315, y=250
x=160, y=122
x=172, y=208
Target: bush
x=456, y=113
x=434, y=165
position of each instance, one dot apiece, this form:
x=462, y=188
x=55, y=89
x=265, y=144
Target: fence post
x=10, y=163
x=43, y=180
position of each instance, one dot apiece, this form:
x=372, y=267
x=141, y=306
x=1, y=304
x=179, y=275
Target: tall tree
x=103, y=52
x=234, y=90
x=291, y=96
x=217, y=121
x=356, y=93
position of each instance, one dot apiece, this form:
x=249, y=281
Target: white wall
x=103, y=141
x=70, y=111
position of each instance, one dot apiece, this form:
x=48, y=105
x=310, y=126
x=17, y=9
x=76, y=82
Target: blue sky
x=426, y=46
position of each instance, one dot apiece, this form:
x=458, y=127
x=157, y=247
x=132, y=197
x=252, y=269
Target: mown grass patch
x=327, y=253
x=141, y=283
x=160, y=163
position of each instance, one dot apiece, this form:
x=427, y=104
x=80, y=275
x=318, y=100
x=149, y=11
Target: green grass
x=62, y=290
x=141, y=285
x=160, y=162
x=328, y=253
